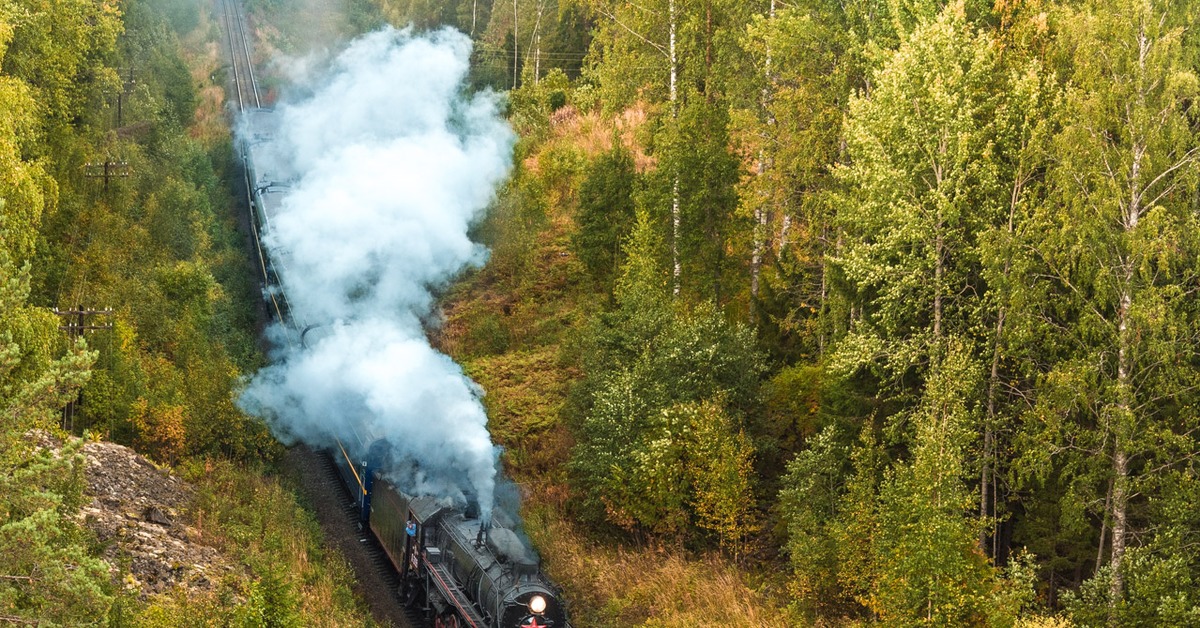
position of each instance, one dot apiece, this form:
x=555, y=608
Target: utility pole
x=126, y=88
x=75, y=324
x=106, y=170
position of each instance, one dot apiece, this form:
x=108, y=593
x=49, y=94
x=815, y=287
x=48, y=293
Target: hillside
x=857, y=312
x=128, y=316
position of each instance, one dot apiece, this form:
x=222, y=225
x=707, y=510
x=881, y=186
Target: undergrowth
x=290, y=579
x=611, y=584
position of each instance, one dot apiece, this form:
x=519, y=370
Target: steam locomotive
x=460, y=569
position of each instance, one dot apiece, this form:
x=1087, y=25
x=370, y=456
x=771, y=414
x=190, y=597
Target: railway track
x=377, y=580
x=335, y=509
x=245, y=96
x=241, y=60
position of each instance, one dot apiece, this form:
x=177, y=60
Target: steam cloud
x=388, y=162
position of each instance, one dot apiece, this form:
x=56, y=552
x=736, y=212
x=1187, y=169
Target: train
x=460, y=567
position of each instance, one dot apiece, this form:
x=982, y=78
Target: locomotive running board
x=454, y=595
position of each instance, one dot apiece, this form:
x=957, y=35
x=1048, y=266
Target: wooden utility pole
x=106, y=170
x=126, y=88
x=75, y=323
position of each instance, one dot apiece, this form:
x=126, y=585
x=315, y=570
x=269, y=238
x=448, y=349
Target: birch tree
x=923, y=182
x=1118, y=246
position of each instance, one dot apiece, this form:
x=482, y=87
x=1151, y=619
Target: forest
x=902, y=294
x=114, y=153
x=802, y=312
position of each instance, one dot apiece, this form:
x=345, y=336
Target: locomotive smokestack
x=485, y=525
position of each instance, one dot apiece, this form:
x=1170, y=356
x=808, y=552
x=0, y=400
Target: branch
x=1187, y=158
x=636, y=34
x=25, y=578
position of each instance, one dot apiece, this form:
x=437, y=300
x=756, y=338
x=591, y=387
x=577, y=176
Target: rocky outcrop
x=137, y=511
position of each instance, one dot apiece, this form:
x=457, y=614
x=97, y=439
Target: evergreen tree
x=606, y=212
x=49, y=574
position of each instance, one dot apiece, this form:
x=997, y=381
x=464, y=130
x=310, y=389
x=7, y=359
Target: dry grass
x=650, y=586
x=204, y=60
x=592, y=134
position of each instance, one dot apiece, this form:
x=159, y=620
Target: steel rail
x=246, y=49
x=233, y=56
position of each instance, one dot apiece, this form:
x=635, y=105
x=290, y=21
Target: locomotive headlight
x=537, y=605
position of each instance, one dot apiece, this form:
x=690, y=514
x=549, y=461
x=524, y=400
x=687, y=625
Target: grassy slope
x=256, y=519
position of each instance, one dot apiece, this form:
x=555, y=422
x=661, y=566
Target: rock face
x=137, y=511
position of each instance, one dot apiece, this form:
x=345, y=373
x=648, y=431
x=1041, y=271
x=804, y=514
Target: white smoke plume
x=388, y=162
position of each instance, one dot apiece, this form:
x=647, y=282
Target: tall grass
x=611, y=585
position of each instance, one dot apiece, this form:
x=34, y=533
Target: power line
x=106, y=170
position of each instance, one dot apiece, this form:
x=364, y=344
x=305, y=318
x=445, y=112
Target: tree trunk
x=516, y=46
x=675, y=211
x=1124, y=418
x=988, y=435
x=1103, y=528
x=1120, y=503
x=937, y=285
x=762, y=212
x=760, y=223
x=537, y=43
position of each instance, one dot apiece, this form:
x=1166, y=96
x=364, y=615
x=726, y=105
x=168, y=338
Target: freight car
x=462, y=570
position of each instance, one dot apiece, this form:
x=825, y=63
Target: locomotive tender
x=462, y=570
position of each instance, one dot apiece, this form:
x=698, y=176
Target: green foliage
x=659, y=448
x=1120, y=387
x=927, y=564
x=50, y=572
x=965, y=232
x=59, y=50
x=526, y=394
x=923, y=182
x=293, y=580
x=606, y=213
x=810, y=502
x=696, y=157
x=159, y=251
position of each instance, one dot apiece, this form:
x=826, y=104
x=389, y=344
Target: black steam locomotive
x=462, y=571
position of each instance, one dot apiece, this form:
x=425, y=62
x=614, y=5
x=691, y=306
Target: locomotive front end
x=533, y=606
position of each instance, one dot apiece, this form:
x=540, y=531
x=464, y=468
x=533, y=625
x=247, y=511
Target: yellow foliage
x=1043, y=621
x=160, y=430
